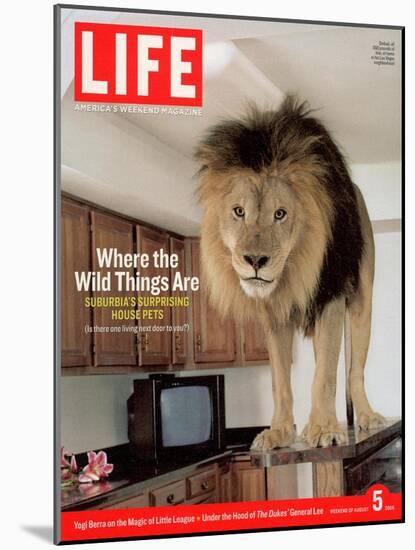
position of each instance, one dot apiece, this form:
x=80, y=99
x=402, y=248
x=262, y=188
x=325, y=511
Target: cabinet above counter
x=186, y=336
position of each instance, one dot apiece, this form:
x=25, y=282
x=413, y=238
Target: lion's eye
x=280, y=214
x=239, y=211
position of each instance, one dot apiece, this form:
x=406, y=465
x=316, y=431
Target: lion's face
x=269, y=182
x=259, y=223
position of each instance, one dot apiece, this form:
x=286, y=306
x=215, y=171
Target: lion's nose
x=256, y=261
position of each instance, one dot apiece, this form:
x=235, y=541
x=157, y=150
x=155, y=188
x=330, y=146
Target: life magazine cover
x=228, y=196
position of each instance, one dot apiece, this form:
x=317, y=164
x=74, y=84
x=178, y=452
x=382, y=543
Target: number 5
x=377, y=500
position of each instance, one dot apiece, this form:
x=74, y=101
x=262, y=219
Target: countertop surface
x=129, y=474
x=357, y=443
x=130, y=477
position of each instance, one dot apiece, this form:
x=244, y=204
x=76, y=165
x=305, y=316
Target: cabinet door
x=255, y=345
x=248, y=482
x=154, y=345
x=282, y=482
x=212, y=499
x=179, y=314
x=75, y=342
x=225, y=484
x=214, y=339
x=112, y=348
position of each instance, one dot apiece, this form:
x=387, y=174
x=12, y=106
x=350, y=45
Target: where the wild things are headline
x=120, y=276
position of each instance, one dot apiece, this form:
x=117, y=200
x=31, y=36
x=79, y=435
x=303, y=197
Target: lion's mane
x=290, y=143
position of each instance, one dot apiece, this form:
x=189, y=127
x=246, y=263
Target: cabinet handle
x=178, y=342
x=199, y=342
x=205, y=485
x=170, y=498
x=144, y=342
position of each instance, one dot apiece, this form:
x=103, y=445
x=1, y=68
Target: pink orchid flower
x=64, y=462
x=68, y=469
x=96, y=469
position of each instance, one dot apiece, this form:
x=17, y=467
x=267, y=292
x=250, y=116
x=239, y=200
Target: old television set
x=175, y=418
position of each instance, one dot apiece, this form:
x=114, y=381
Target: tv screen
x=186, y=415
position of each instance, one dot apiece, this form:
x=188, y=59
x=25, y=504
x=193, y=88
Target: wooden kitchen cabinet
x=154, y=347
x=255, y=345
x=209, y=500
x=198, y=488
x=169, y=495
x=225, y=483
x=248, y=482
x=139, y=501
x=282, y=482
x=202, y=485
x=214, y=339
x=206, y=341
x=112, y=348
x=178, y=314
x=75, y=342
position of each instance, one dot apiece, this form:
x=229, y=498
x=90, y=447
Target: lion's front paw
x=281, y=436
x=369, y=421
x=318, y=435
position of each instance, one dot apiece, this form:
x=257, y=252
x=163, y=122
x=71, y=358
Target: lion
x=286, y=241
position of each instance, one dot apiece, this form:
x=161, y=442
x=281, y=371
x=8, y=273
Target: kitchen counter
x=358, y=443
x=130, y=478
x=366, y=458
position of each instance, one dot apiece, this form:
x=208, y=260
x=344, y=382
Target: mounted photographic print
x=228, y=259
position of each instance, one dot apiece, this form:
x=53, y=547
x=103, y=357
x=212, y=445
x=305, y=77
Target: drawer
x=210, y=500
x=203, y=499
x=169, y=495
x=202, y=483
x=140, y=501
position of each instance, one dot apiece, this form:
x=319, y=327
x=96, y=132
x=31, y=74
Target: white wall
x=93, y=411
x=380, y=184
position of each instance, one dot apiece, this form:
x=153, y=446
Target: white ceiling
x=245, y=60
x=359, y=101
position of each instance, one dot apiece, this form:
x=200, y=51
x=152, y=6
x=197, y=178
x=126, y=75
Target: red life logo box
x=135, y=64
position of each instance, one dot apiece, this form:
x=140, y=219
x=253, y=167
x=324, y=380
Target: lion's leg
x=360, y=309
x=282, y=431
x=323, y=428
